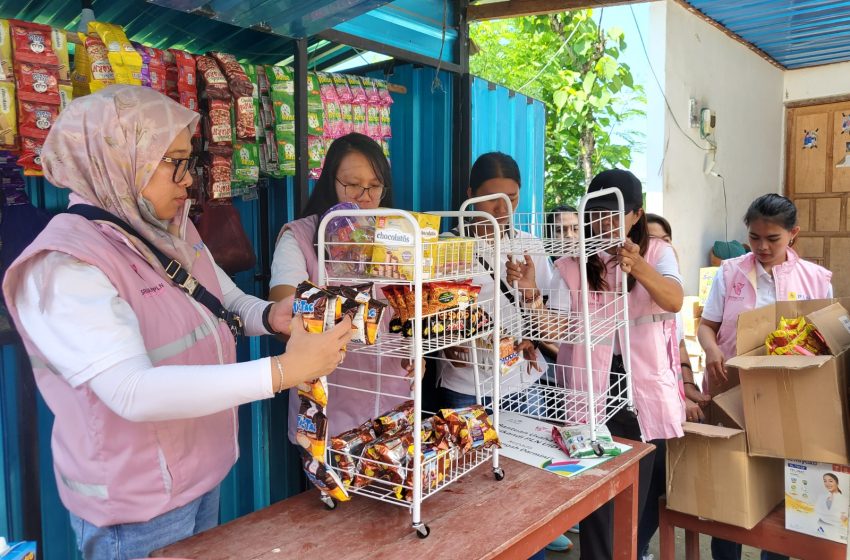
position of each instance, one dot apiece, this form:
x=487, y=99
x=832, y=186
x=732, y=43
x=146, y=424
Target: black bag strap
x=507, y=291
x=173, y=269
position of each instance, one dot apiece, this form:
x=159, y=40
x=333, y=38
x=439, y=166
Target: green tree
x=571, y=64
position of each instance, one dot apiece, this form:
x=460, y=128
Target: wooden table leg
x=625, y=518
x=666, y=533
x=691, y=545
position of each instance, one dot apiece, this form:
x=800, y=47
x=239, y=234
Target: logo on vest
x=738, y=288
x=153, y=290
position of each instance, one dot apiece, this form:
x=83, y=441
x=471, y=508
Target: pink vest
x=654, y=351
x=110, y=470
x=348, y=408
x=795, y=279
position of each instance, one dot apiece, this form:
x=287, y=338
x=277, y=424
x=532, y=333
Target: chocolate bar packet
x=313, y=304
x=312, y=428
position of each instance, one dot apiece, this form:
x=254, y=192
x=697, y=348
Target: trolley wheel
x=499, y=473
x=423, y=531
x=597, y=448
x=328, y=501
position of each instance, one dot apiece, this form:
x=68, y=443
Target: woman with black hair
x=355, y=170
x=772, y=272
x=655, y=295
x=562, y=222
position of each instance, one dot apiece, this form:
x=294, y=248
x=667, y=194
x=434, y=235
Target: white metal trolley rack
x=567, y=394
x=434, y=473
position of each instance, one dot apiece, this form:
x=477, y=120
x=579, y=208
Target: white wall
x=820, y=81
x=745, y=92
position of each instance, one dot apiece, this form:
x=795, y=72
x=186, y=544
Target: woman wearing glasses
x=139, y=372
x=355, y=170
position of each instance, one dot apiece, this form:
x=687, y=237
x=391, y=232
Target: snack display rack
x=343, y=263
x=567, y=394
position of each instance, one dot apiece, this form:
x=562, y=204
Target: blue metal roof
x=794, y=33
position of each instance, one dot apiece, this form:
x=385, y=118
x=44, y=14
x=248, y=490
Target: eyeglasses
x=356, y=191
x=181, y=166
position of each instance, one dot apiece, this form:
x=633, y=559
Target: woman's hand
x=457, y=355
x=715, y=364
x=695, y=401
x=280, y=316
x=523, y=274
x=629, y=257
x=409, y=366
x=309, y=356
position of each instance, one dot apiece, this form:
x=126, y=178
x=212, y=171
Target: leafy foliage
x=571, y=64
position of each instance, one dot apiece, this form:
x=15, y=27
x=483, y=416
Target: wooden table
x=476, y=517
x=770, y=534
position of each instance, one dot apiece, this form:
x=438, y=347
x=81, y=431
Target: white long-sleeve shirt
x=89, y=334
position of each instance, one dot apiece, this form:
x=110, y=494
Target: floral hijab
x=104, y=147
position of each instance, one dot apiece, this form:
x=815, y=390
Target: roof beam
x=519, y=8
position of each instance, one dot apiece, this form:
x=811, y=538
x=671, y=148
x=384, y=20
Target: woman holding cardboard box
x=772, y=272
x=355, y=170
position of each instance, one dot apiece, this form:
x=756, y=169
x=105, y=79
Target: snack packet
x=348, y=242
x=33, y=42
x=126, y=62
x=237, y=79
x=313, y=304
x=392, y=256
x=6, y=68
x=347, y=449
x=575, y=441
x=312, y=428
x=37, y=83
x=324, y=479
x=100, y=71
x=60, y=47
x=470, y=428
x=213, y=81
x=394, y=421
x=8, y=117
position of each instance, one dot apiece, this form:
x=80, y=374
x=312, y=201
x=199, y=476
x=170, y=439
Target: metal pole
x=302, y=167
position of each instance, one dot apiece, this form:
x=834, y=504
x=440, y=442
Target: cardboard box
x=795, y=406
x=711, y=475
x=817, y=497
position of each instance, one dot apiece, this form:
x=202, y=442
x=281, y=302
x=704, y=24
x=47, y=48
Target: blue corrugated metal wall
x=505, y=121
x=268, y=471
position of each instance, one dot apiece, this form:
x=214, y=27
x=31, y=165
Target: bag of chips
x=37, y=83
x=358, y=93
x=60, y=47
x=100, y=72
x=33, y=43
x=30, y=158
x=218, y=174
x=575, y=441
x=6, y=69
x=66, y=95
x=126, y=62
x=237, y=79
x=35, y=119
x=186, y=77
x=8, y=117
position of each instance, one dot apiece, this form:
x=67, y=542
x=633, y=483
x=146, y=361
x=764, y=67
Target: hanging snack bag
x=172, y=76
x=219, y=132
x=33, y=43
x=324, y=479
x=6, y=70
x=8, y=117
x=60, y=47
x=312, y=303
x=371, y=87
x=315, y=111
x=126, y=62
x=218, y=174
x=81, y=76
x=315, y=152
x=343, y=91
x=146, y=60
x=66, y=95
x=153, y=67
x=358, y=92
x=30, y=158
x=347, y=112
x=37, y=83
x=35, y=119
x=100, y=73
x=359, y=118
x=237, y=79
x=285, y=154
x=186, y=71
x=212, y=80
x=373, y=120
x=312, y=429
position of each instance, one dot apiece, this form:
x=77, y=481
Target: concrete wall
x=746, y=93
x=817, y=82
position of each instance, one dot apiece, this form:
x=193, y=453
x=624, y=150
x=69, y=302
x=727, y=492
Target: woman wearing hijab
x=138, y=371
